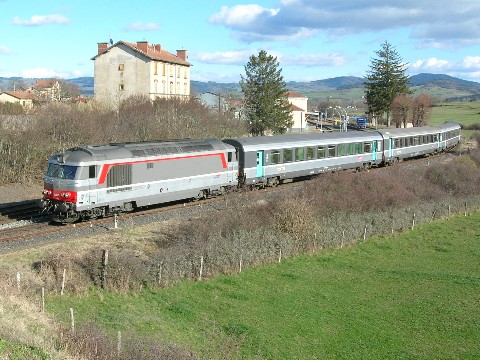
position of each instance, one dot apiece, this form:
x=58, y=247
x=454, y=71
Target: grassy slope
x=415, y=295
x=466, y=113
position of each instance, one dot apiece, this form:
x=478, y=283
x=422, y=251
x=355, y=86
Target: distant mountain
x=444, y=87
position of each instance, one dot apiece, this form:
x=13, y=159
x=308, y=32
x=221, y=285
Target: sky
x=311, y=39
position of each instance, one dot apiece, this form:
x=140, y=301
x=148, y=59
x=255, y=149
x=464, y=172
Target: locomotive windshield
x=61, y=171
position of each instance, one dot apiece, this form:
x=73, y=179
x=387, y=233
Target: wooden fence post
x=18, y=280
x=201, y=268
x=365, y=233
x=72, y=323
x=43, y=299
x=104, y=268
x=63, y=281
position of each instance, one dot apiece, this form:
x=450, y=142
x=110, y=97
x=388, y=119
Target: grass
x=466, y=113
x=414, y=295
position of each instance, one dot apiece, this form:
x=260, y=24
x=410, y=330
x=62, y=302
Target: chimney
x=158, y=47
x=142, y=46
x=102, y=47
x=182, y=54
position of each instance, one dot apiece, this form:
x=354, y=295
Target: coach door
x=259, y=164
x=374, y=150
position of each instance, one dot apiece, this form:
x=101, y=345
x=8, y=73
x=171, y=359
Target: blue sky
x=312, y=39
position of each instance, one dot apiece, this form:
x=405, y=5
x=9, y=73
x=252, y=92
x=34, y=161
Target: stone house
x=125, y=69
x=46, y=89
x=23, y=98
x=298, y=107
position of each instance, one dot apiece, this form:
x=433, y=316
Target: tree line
x=27, y=141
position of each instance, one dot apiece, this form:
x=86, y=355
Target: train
x=91, y=181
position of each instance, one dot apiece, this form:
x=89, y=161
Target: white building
x=124, y=69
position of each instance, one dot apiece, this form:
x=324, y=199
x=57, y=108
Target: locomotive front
x=61, y=186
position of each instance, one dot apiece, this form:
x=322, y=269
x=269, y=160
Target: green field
x=411, y=296
x=465, y=113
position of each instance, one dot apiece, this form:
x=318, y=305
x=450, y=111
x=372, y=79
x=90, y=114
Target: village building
x=124, y=69
x=23, y=98
x=46, y=89
x=298, y=107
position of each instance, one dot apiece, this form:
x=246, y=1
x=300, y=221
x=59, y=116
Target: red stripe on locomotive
x=106, y=167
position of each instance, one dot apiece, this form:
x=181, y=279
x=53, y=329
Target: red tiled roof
x=152, y=53
x=293, y=94
x=20, y=95
x=45, y=83
x=295, y=108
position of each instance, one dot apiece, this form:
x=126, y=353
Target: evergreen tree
x=386, y=79
x=266, y=103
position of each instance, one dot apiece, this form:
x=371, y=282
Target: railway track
x=24, y=224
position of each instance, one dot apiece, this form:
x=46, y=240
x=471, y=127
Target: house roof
x=20, y=95
x=295, y=108
x=45, y=83
x=153, y=52
x=294, y=94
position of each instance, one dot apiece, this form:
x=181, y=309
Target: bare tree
x=400, y=108
x=422, y=105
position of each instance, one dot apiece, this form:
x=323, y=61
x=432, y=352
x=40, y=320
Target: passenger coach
x=269, y=160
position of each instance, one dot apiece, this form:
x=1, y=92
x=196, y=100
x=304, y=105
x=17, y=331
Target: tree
x=401, y=106
x=265, y=93
x=422, y=105
x=68, y=90
x=385, y=80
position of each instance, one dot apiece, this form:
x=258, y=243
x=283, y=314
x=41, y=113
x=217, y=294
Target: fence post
x=365, y=233
x=18, y=280
x=413, y=221
x=72, y=323
x=63, y=281
x=280, y=255
x=104, y=268
x=201, y=268
x=465, y=209
x=343, y=237
x=43, y=299
x=119, y=343
x=241, y=262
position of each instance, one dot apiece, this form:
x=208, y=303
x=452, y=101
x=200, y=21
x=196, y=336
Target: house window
x=155, y=64
x=179, y=71
x=121, y=67
x=163, y=69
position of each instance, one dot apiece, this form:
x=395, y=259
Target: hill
x=440, y=86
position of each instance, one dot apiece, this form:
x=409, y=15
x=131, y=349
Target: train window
x=274, y=157
x=299, y=154
x=351, y=149
x=320, y=152
x=358, y=148
x=92, y=172
x=310, y=153
x=287, y=155
x=331, y=150
x=342, y=150
x=150, y=165
x=367, y=147
x=396, y=143
x=416, y=140
x=61, y=171
x=379, y=146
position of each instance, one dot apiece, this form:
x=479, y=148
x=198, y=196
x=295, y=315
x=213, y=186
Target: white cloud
x=140, y=26
x=448, y=24
x=238, y=57
x=37, y=20
x=310, y=60
x=4, y=50
x=432, y=64
x=43, y=73
x=241, y=15
x=471, y=62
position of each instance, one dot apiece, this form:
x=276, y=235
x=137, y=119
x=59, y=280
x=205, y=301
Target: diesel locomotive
x=100, y=180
